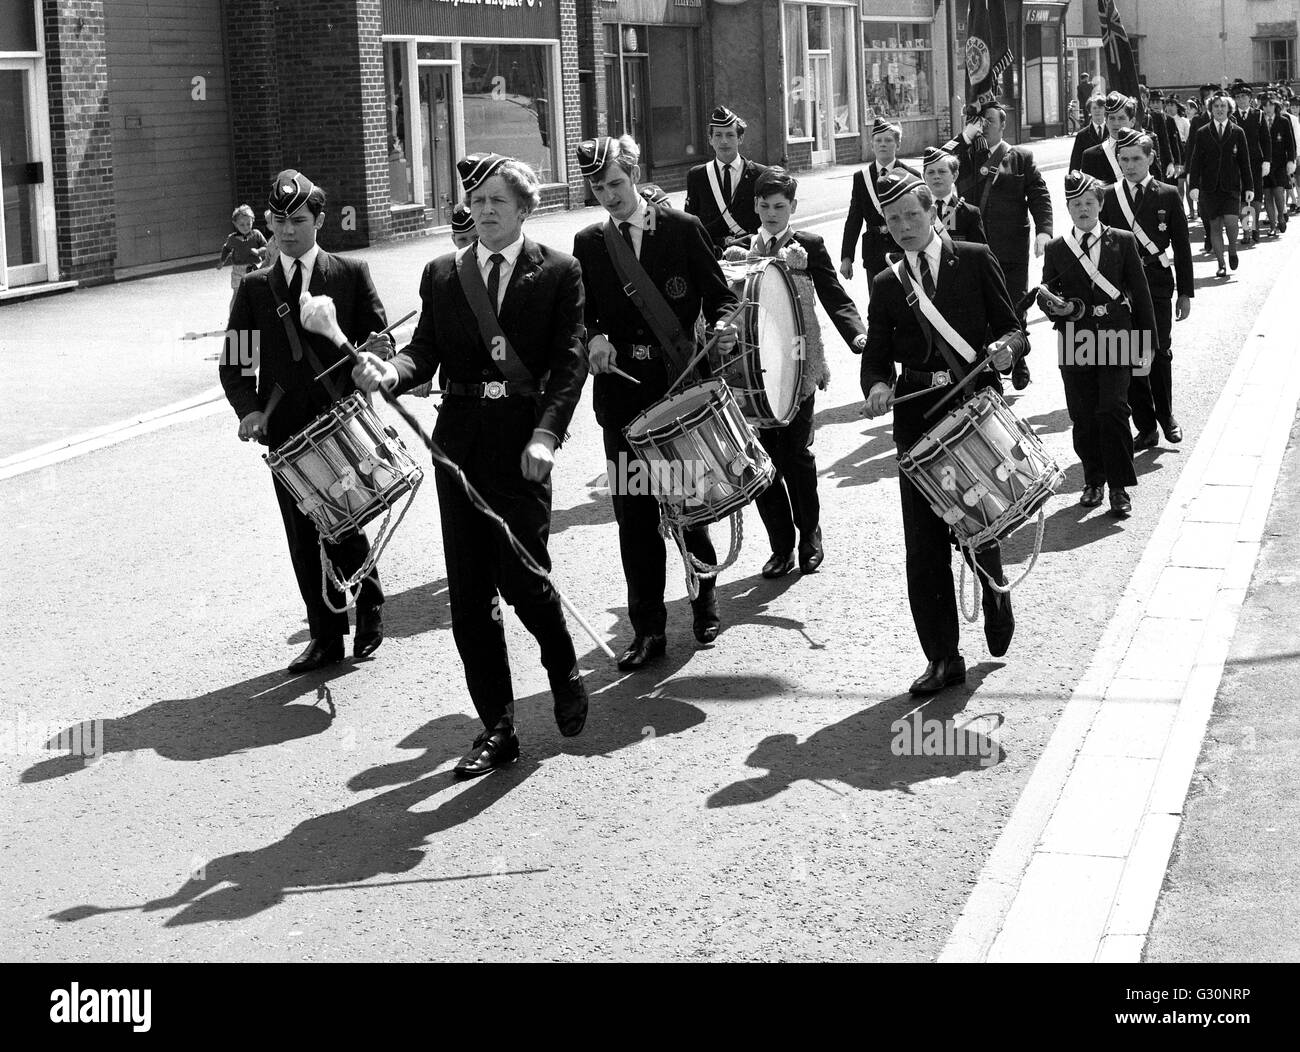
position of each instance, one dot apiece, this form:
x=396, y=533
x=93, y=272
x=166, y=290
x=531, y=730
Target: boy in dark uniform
x=864, y=208
x=954, y=214
x=720, y=193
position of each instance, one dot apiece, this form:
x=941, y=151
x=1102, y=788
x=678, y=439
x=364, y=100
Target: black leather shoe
x=1146, y=439
x=1120, y=503
x=810, y=552
x=1222, y=272
x=706, y=621
x=999, y=621
x=370, y=631
x=643, y=649
x=1232, y=261
x=1092, y=496
x=778, y=565
x=940, y=674
x=491, y=749
x=1173, y=433
x=319, y=653
x=1020, y=374
x=570, y=705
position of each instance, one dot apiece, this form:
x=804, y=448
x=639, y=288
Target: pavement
x=743, y=801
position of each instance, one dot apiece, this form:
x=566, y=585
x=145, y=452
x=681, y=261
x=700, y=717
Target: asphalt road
x=736, y=802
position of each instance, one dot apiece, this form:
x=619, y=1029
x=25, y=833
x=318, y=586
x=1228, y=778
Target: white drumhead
x=777, y=332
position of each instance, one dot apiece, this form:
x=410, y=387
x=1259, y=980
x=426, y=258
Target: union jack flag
x=1121, y=69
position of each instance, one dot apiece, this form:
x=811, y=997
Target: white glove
x=1266, y=168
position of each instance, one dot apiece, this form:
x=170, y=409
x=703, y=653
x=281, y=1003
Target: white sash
x=937, y=321
x=870, y=180
x=1144, y=239
x=1108, y=148
x=1089, y=267
x=727, y=217
x=785, y=239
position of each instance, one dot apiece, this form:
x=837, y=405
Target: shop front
x=819, y=56
x=28, y=254
x=1045, y=92
x=462, y=79
x=904, y=77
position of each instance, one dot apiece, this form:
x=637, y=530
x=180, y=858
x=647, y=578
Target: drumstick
x=616, y=369
x=400, y=321
x=957, y=387
x=203, y=335
x=323, y=321
x=726, y=319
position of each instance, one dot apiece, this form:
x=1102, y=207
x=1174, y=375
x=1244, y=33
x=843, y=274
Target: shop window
x=898, y=68
x=401, y=171
x=796, y=51
x=829, y=75
x=507, y=99
x=841, y=33
x=1274, y=58
x=674, y=95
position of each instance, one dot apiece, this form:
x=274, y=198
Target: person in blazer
x=957, y=216
x=1163, y=132
x=1219, y=176
x=791, y=501
x=1096, y=371
x=1248, y=119
x=278, y=395
x=674, y=250
x=1279, y=134
x=1004, y=183
x=964, y=282
x=735, y=177
x=1099, y=161
x=1092, y=134
x=1157, y=211
x=876, y=242
x=501, y=424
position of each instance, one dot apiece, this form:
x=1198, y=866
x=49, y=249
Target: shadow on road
x=424, y=608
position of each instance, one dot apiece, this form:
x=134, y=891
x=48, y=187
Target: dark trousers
x=791, y=500
x=347, y=557
x=1097, y=399
x=482, y=569
x=1151, y=397
x=928, y=541
x=642, y=548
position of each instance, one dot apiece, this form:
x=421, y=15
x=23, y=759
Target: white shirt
x=948, y=204
x=308, y=260
x=1220, y=126
x=764, y=239
x=1094, y=246
x=638, y=220
x=511, y=254
x=737, y=168
x=931, y=252
x=1144, y=183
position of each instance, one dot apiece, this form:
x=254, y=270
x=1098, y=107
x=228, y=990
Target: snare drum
x=766, y=369
x=345, y=468
x=704, y=460
x=984, y=472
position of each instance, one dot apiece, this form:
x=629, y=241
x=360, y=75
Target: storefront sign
x=1043, y=15
x=655, y=12
x=1083, y=43
x=471, y=18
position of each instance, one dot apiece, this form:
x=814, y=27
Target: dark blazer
x=701, y=203
x=1087, y=138
x=679, y=257
x=541, y=315
x=970, y=293
x=963, y=223
x=1161, y=216
x=1281, y=149
x=1120, y=264
x=1016, y=192
x=1220, y=166
x=1166, y=136
x=1096, y=164
x=347, y=282
x=876, y=241
x=835, y=301
x=1253, y=126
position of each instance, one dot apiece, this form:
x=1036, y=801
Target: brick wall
x=848, y=150
x=81, y=139
x=572, y=95
x=798, y=156
x=254, y=100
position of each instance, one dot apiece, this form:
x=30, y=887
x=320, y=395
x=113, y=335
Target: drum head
x=778, y=330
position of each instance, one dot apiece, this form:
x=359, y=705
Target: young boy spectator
x=244, y=250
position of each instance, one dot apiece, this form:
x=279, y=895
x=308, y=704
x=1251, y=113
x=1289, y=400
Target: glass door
x=440, y=186
x=22, y=179
x=821, y=99
x=636, y=82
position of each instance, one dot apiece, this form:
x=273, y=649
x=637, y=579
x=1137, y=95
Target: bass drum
x=765, y=372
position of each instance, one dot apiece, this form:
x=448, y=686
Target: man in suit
x=1003, y=182
x=1165, y=135
x=964, y=283
x=1099, y=161
x=1104, y=334
x=501, y=322
x=1091, y=134
x=1219, y=176
x=1153, y=211
x=1084, y=90
x=956, y=216
x=864, y=209
x=1247, y=118
x=679, y=276
x=278, y=397
x=791, y=499
x=721, y=192
x=1279, y=137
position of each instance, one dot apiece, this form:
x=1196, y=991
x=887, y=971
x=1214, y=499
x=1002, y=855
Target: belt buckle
x=494, y=389
x=641, y=352
x=1099, y=311
x=940, y=378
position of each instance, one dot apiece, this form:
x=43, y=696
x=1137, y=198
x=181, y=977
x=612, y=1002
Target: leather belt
x=923, y=378
x=492, y=390
x=639, y=352
x=1104, y=310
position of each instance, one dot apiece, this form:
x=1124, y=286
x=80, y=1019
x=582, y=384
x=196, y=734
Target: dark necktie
x=771, y=246
x=726, y=183
x=295, y=286
x=626, y=230
x=494, y=279
x=927, y=280
x=1084, y=242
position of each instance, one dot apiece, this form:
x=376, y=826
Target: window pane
x=899, y=82
x=428, y=51
x=507, y=103
x=401, y=177
x=674, y=102
x=795, y=53
x=817, y=29
x=841, y=61
x=611, y=39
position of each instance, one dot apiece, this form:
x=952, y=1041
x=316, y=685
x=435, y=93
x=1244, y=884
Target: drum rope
x=351, y=587
x=1004, y=589
x=695, y=567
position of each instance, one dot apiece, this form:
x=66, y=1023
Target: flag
x=988, y=50
x=1121, y=70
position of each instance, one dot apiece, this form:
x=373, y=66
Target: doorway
x=439, y=146
x=819, y=69
x=23, y=176
x=636, y=82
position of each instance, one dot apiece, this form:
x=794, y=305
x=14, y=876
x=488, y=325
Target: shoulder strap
x=950, y=339
x=1143, y=237
x=494, y=339
x=723, y=210
x=1108, y=148
x=1089, y=267
x=869, y=179
x=640, y=289
x=297, y=346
